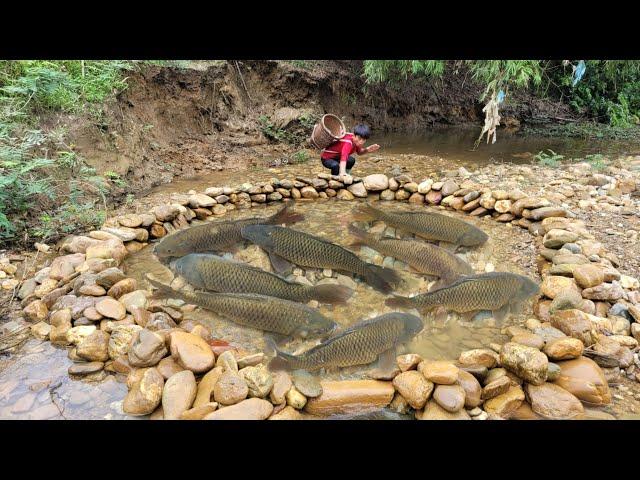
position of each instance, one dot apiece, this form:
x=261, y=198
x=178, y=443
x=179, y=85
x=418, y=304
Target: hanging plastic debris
x=501, y=96
x=491, y=119
x=578, y=72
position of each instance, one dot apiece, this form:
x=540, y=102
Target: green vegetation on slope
x=46, y=189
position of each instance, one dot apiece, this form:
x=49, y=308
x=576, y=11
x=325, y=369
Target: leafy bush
x=550, y=159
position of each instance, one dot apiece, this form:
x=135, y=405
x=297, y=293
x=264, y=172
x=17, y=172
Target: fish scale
x=257, y=311
x=215, y=235
x=487, y=291
x=431, y=226
x=424, y=257
x=307, y=250
x=357, y=345
x=210, y=272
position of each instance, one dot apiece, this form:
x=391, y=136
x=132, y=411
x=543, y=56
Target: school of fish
x=255, y=298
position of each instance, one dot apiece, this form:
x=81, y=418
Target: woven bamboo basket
x=327, y=131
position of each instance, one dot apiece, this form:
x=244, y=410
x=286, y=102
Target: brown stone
x=350, y=396
x=433, y=411
x=553, y=402
x=528, y=363
x=250, y=409
x=472, y=389
x=439, y=371
x=585, y=379
x=191, y=351
x=505, y=404
x=449, y=397
x=564, y=349
x=413, y=387
x=479, y=356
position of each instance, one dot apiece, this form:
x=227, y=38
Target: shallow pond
x=508, y=249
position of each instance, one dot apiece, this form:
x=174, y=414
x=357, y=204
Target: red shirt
x=341, y=149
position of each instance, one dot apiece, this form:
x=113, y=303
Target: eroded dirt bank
x=177, y=123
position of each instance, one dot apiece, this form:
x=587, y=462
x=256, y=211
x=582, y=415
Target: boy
x=339, y=156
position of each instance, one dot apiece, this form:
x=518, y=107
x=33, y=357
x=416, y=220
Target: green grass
x=46, y=188
x=586, y=130
x=551, y=159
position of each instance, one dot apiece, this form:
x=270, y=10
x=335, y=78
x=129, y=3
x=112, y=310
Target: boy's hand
x=346, y=179
x=373, y=148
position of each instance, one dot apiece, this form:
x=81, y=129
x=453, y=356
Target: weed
x=550, y=159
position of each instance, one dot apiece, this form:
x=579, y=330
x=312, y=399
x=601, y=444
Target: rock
x=167, y=367
x=121, y=339
x=250, y=409
x=192, y=352
x=528, y=363
x=576, y=324
x=83, y=369
x=556, y=237
x=387, y=195
x=227, y=361
x=178, y=394
x=201, y=200
x=408, y=362
x=230, y=388
x=198, y=413
x=566, y=300
x=344, y=195
x=606, y=291
x=111, y=308
x=402, y=195
x=60, y=324
x=505, y=404
x=166, y=213
x=133, y=300
x=554, y=285
x=109, y=277
x=553, y=402
x=27, y=288
x=449, y=397
x=585, y=379
x=36, y=311
x=433, y=197
x=76, y=334
x=306, y=384
x=424, y=187
x=472, y=389
x=411, y=187
x=122, y=287
x=147, y=349
x=529, y=339
x=357, y=190
x=433, y=411
x=496, y=387
x=439, y=371
x=45, y=287
x=449, y=187
x=413, y=387
x=295, y=399
x=339, y=397
x=94, y=347
x=635, y=331
x=92, y=290
x=41, y=330
x=205, y=387
x=309, y=192
x=145, y=392
x=281, y=385
x=528, y=203
x=251, y=360
x=480, y=356
x=564, y=349
x=62, y=267
x=287, y=413
x=258, y=380
x=416, y=198
x=588, y=275
x=376, y=182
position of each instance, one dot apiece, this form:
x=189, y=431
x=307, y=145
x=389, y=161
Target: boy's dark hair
x=362, y=130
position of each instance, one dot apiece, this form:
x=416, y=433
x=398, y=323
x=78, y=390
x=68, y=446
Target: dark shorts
x=334, y=165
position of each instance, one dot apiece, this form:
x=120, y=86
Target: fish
x=216, y=236
x=359, y=344
x=428, y=225
x=210, y=272
x=495, y=291
x=286, y=245
x=423, y=257
x=262, y=312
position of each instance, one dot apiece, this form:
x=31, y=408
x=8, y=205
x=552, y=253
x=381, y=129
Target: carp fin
x=280, y=264
x=385, y=365
x=364, y=212
x=448, y=246
x=331, y=293
x=286, y=216
x=399, y=302
x=501, y=313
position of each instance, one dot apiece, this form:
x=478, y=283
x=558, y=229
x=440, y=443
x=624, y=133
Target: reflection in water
x=329, y=219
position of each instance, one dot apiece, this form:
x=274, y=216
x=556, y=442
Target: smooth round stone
x=111, y=308
x=306, y=384
x=472, y=389
x=178, y=394
x=230, y=388
x=414, y=388
x=553, y=402
x=564, y=348
x=82, y=369
x=449, y=397
x=439, y=372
